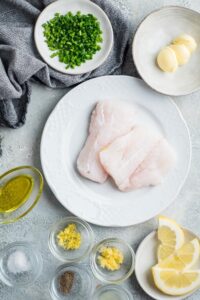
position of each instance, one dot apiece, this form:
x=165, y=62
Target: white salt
x=18, y=262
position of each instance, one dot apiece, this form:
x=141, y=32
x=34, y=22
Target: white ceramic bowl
x=146, y=258
x=85, y=7
x=157, y=31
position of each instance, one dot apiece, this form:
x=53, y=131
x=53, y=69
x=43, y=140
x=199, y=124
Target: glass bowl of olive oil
x=20, y=190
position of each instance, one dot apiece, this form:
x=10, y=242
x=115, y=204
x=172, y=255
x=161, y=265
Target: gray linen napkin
x=20, y=61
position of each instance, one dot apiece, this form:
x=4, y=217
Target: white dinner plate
x=157, y=31
x=65, y=133
x=63, y=7
x=146, y=259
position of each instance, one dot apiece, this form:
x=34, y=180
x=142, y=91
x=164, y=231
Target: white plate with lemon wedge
x=158, y=30
x=174, y=261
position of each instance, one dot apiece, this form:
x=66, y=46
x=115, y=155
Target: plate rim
x=114, y=225
x=134, y=55
x=73, y=72
x=149, y=236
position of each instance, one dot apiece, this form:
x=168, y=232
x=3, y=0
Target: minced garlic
x=69, y=238
x=110, y=258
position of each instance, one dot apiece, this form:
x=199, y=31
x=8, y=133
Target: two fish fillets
x=134, y=156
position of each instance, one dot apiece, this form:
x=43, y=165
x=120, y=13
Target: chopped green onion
x=73, y=38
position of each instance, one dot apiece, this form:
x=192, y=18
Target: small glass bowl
x=26, y=277
x=112, y=291
x=126, y=268
x=87, y=240
x=27, y=206
x=82, y=286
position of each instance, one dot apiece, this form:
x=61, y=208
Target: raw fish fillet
x=155, y=166
x=109, y=120
x=139, y=158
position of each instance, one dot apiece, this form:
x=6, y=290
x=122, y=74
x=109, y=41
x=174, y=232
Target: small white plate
x=63, y=7
x=64, y=136
x=157, y=31
x=146, y=258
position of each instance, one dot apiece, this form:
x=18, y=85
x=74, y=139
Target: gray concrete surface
x=21, y=147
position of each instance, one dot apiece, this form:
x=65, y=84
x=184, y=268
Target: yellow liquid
x=15, y=193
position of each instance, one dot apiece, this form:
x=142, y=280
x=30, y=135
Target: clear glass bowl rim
x=73, y=220
x=64, y=266
x=107, y=287
x=39, y=174
x=37, y=255
x=95, y=268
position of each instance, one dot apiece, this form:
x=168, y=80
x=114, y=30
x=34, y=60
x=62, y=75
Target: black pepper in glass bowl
x=71, y=282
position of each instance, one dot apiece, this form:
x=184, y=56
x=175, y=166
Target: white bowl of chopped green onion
x=74, y=36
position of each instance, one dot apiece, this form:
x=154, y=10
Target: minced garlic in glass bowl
x=112, y=260
x=71, y=239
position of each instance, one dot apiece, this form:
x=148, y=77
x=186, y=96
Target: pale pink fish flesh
x=132, y=154
x=109, y=120
x=155, y=166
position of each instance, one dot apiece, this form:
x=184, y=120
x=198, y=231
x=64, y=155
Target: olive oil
x=15, y=192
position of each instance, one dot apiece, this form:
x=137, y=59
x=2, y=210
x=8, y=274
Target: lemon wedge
x=183, y=258
x=173, y=282
x=171, y=237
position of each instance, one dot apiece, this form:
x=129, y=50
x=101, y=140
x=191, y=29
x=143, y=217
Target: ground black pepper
x=66, y=282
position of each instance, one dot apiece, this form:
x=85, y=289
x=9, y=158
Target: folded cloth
x=20, y=61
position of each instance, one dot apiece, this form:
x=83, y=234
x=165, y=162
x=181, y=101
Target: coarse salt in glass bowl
x=126, y=268
x=20, y=264
x=76, y=255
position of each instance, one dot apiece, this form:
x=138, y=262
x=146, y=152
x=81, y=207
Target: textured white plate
x=85, y=7
x=157, y=31
x=146, y=258
x=64, y=136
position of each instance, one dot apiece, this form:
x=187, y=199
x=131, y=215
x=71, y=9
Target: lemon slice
x=173, y=282
x=171, y=237
x=184, y=258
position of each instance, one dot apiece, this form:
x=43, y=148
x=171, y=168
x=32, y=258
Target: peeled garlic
x=186, y=40
x=167, y=60
x=182, y=53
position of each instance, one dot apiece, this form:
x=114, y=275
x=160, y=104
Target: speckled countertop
x=21, y=147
